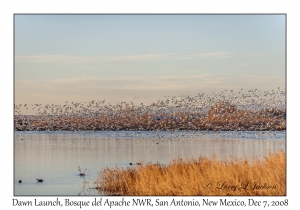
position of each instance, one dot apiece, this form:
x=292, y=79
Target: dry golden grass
x=198, y=177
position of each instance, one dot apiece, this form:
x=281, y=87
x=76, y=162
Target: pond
x=56, y=156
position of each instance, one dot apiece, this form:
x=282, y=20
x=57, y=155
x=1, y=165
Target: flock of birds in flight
x=177, y=116
x=251, y=110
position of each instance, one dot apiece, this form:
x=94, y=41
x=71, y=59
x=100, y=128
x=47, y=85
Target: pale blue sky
x=93, y=57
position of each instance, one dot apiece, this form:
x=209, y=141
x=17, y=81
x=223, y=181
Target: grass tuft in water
x=198, y=177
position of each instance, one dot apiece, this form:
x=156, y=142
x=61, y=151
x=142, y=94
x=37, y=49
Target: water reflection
x=55, y=157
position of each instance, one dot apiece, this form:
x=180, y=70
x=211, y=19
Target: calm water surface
x=55, y=156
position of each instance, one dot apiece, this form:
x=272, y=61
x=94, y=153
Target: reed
x=198, y=177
